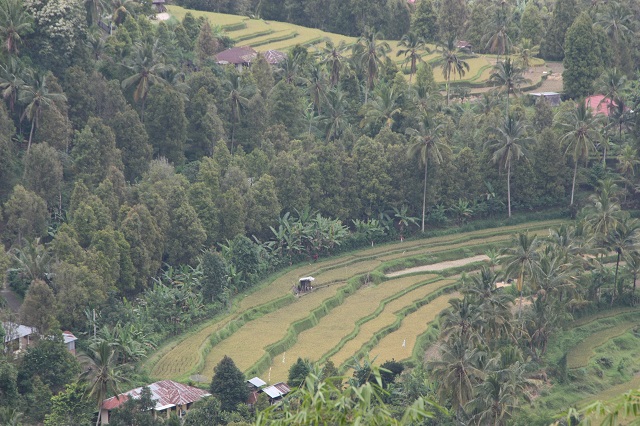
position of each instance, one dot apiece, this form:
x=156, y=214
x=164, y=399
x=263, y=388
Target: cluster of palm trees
x=489, y=336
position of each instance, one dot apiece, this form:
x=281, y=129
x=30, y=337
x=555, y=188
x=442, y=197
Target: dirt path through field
x=439, y=266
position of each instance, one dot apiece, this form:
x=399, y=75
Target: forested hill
x=145, y=183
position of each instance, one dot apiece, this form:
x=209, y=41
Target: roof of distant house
x=600, y=104
x=274, y=56
x=165, y=393
x=236, y=55
x=68, y=337
x=277, y=390
x=16, y=331
x=257, y=382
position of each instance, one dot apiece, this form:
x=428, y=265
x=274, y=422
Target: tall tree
x=35, y=96
x=146, y=66
x=520, y=260
x=15, y=23
x=238, y=93
x=580, y=131
x=553, y=44
x=412, y=46
x=370, y=51
x=334, y=58
x=427, y=145
x=509, y=77
x=102, y=375
x=508, y=146
x=582, y=58
x=452, y=64
x=228, y=384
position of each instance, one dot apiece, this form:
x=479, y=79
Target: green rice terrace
x=354, y=309
x=272, y=35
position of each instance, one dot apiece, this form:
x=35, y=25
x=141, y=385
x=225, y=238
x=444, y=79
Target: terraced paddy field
x=263, y=325
x=273, y=35
x=603, y=361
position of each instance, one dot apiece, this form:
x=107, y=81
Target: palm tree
x=627, y=162
x=11, y=81
x=95, y=9
x=239, y=92
x=617, y=21
x=33, y=260
x=413, y=45
x=15, y=22
x=622, y=239
x=457, y=372
x=509, y=77
x=316, y=84
x=36, y=96
x=146, y=65
x=337, y=116
x=452, y=64
x=382, y=107
x=610, y=83
x=603, y=212
x=370, y=51
x=520, y=260
x=526, y=50
x=632, y=266
x=508, y=146
x=426, y=143
x=579, y=126
x=102, y=374
x=333, y=56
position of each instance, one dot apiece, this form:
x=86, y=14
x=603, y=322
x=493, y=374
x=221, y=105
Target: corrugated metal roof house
x=168, y=395
x=277, y=391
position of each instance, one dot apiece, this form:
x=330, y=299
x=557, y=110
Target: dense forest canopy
x=143, y=185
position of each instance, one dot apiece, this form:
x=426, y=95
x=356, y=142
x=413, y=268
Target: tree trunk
x=509, y=188
x=33, y=126
x=447, y=92
x=615, y=279
x=573, y=185
x=424, y=190
x=633, y=294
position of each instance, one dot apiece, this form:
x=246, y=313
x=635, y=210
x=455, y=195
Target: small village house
x=554, y=98
x=69, y=341
x=19, y=337
x=169, y=396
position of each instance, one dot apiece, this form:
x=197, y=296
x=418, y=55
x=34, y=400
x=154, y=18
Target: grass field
x=265, y=316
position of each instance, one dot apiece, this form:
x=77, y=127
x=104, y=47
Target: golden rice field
x=399, y=344
x=385, y=319
x=341, y=321
x=246, y=345
x=580, y=354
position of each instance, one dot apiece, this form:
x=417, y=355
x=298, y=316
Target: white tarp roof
x=307, y=279
x=257, y=382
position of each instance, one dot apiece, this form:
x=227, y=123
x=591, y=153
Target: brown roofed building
x=168, y=395
x=238, y=56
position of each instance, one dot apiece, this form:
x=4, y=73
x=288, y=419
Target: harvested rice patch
x=386, y=318
x=246, y=345
x=341, y=321
x=441, y=266
x=345, y=272
x=580, y=354
x=399, y=344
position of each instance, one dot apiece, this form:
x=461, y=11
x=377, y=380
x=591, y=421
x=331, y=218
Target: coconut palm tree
x=580, y=133
x=15, y=23
x=525, y=51
x=627, y=162
x=509, y=77
x=623, y=238
x=457, y=372
x=11, y=81
x=603, y=212
x=520, y=260
x=316, y=84
x=333, y=57
x=370, y=51
x=632, y=260
x=102, y=374
x=617, y=21
x=452, y=64
x=336, y=117
x=238, y=94
x=428, y=146
x=146, y=66
x=382, y=107
x=412, y=45
x=36, y=96
x=611, y=83
x=508, y=146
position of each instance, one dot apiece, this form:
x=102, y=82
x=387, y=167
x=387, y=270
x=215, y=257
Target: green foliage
x=228, y=385
x=26, y=215
x=51, y=362
x=582, y=60
x=553, y=44
x=70, y=407
x=298, y=372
